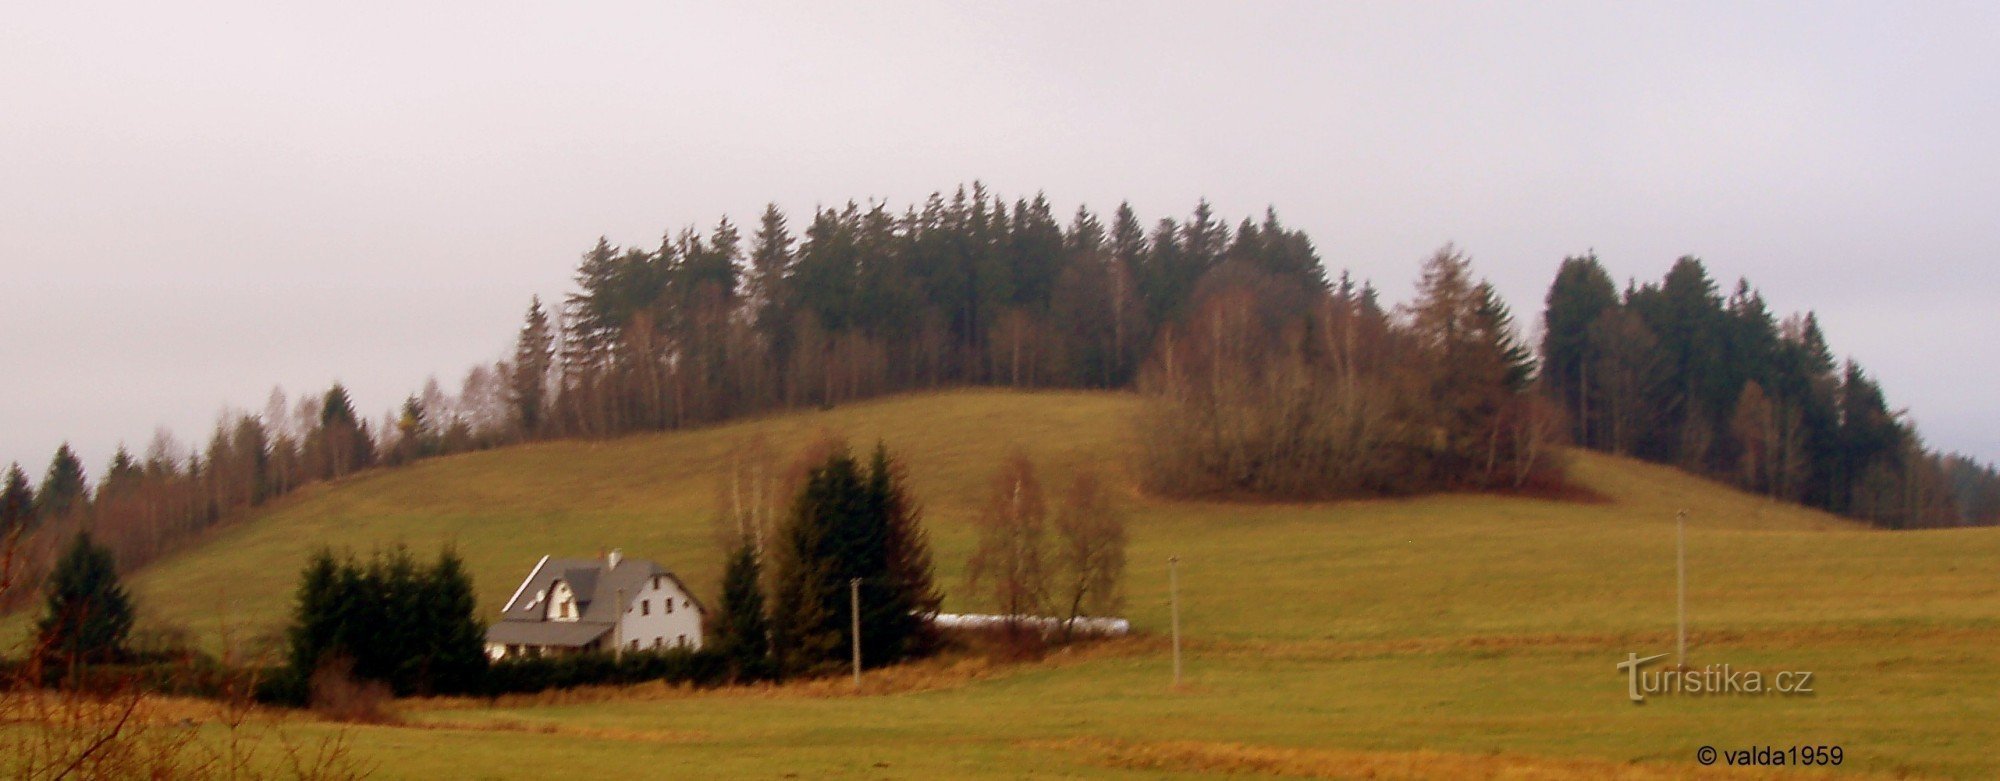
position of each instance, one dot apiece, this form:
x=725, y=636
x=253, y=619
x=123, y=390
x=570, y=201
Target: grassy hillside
x=1325, y=637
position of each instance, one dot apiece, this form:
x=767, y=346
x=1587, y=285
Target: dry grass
x=569, y=730
x=1240, y=759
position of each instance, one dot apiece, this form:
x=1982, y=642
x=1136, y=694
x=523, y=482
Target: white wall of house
x=660, y=616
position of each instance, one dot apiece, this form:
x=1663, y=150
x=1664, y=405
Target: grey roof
x=583, y=581
x=596, y=584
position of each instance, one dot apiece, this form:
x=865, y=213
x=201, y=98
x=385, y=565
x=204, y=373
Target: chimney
x=613, y=557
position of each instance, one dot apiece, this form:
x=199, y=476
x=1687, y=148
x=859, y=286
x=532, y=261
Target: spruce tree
x=770, y=265
x=87, y=614
x=852, y=523
x=122, y=477
x=452, y=642
x=899, y=625
x=527, y=387
x=412, y=627
x=742, y=633
x=17, y=501
x=344, y=437
x=64, y=489
x=810, y=598
x=1581, y=293
x=316, y=614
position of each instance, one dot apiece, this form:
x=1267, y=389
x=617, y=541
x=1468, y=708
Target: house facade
x=610, y=603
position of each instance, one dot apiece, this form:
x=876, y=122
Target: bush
x=338, y=695
x=528, y=675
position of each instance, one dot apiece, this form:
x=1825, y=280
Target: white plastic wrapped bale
x=1085, y=625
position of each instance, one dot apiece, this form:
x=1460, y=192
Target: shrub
x=527, y=675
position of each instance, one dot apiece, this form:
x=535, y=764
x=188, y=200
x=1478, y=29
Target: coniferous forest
x=1266, y=376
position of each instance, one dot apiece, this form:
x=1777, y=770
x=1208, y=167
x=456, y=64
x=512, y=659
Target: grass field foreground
x=1447, y=636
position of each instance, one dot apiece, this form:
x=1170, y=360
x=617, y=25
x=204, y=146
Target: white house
x=605, y=604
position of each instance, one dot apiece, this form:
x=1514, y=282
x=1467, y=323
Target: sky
x=201, y=202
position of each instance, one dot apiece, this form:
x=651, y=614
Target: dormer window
x=562, y=603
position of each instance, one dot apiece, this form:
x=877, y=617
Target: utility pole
x=1681, y=585
x=854, y=609
x=1174, y=599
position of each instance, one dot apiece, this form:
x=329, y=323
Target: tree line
x=962, y=290
x=144, y=507
x=1263, y=376
x=1675, y=372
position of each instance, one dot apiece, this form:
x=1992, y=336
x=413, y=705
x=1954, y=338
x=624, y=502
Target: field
x=1452, y=636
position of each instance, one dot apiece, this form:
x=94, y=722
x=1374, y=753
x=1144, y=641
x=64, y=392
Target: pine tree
x=851, y=523
x=742, y=632
x=343, y=438
x=803, y=641
x=412, y=627
x=594, y=312
x=534, y=350
x=452, y=639
x=1494, y=326
x=898, y=624
x=122, y=476
x=1581, y=293
x=17, y=502
x=64, y=489
x=770, y=266
x=87, y=614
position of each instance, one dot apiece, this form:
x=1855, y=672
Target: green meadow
x=1447, y=636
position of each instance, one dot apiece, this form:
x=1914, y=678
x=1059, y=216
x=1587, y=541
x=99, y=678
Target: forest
x=1267, y=377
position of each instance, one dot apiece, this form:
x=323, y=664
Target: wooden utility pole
x=854, y=609
x=1174, y=599
x=1681, y=587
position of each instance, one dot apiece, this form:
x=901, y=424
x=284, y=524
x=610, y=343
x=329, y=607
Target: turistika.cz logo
x=1710, y=680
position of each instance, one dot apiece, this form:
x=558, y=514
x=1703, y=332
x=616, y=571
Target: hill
x=1322, y=634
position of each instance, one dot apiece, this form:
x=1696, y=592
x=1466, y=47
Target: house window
x=669, y=602
x=683, y=642
x=656, y=642
x=645, y=607
x=635, y=644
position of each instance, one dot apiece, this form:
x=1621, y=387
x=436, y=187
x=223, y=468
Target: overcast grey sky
x=201, y=201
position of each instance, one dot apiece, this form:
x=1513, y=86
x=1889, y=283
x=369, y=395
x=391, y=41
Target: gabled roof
x=596, y=584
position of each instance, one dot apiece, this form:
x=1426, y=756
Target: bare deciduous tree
x=1090, y=550
x=1010, y=564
